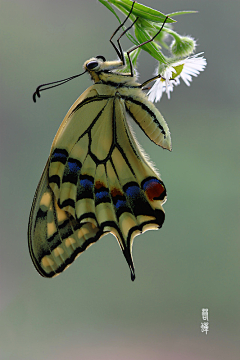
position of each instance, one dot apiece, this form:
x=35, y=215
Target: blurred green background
x=93, y=310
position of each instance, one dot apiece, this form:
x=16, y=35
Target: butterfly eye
x=91, y=65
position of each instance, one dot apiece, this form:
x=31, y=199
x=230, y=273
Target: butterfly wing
x=97, y=180
x=54, y=234
x=148, y=118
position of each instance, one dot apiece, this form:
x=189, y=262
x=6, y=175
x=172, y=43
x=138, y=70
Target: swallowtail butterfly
x=97, y=179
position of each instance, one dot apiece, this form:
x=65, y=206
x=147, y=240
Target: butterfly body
x=97, y=178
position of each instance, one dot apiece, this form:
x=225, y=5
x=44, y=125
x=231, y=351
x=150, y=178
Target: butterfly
x=97, y=179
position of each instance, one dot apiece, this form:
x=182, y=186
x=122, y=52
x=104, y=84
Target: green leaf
x=148, y=25
x=151, y=47
x=181, y=12
x=134, y=56
x=142, y=11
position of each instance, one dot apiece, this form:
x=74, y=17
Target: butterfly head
x=99, y=64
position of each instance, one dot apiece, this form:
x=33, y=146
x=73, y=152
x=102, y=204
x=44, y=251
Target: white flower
x=185, y=69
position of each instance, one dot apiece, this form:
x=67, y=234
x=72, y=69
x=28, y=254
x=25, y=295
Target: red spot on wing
x=115, y=192
x=154, y=190
x=99, y=185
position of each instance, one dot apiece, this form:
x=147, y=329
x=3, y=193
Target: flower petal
x=192, y=66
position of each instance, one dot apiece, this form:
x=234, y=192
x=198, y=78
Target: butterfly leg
x=145, y=42
x=120, y=50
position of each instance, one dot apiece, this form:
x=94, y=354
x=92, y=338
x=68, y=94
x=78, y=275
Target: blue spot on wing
x=137, y=200
x=85, y=187
x=120, y=203
x=59, y=155
x=133, y=191
x=86, y=183
x=101, y=195
x=71, y=171
x=74, y=165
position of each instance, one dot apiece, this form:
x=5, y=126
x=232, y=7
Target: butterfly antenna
x=57, y=83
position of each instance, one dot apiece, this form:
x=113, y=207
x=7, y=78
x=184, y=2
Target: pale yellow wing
x=150, y=120
x=96, y=181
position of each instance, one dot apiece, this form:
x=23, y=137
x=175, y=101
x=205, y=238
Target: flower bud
x=182, y=46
